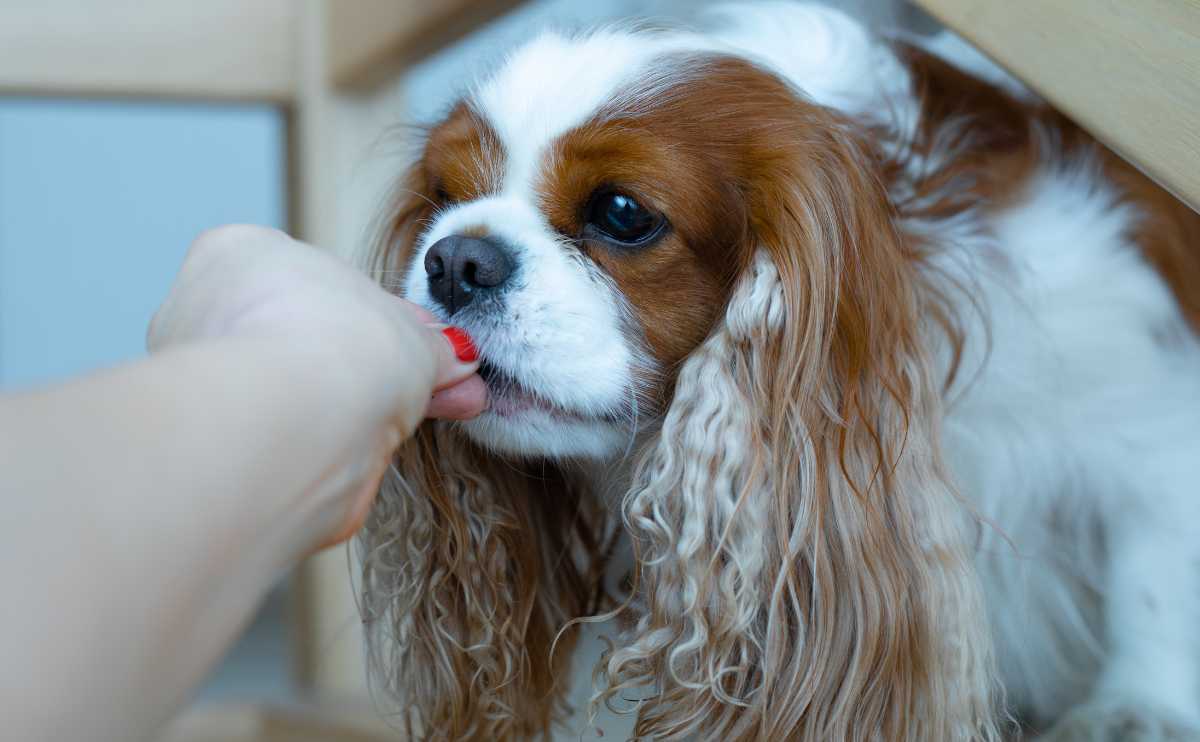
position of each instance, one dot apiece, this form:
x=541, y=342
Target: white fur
x=827, y=54
x=1079, y=438
x=1076, y=432
x=561, y=335
x=564, y=332
x=557, y=83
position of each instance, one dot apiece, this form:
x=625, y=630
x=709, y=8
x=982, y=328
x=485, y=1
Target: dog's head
x=645, y=233
x=585, y=213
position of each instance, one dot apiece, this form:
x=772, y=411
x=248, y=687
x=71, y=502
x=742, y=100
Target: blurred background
x=128, y=127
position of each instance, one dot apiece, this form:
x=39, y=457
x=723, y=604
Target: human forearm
x=147, y=542
x=147, y=509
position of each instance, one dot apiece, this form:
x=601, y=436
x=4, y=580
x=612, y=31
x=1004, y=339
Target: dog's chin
x=537, y=434
x=518, y=423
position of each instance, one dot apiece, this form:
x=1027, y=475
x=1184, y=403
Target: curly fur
x=873, y=257
x=471, y=568
x=801, y=561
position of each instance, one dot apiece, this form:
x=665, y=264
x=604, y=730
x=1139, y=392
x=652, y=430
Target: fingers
x=455, y=355
x=421, y=312
x=459, y=392
x=154, y=329
x=364, y=495
x=360, y=508
x=455, y=352
x=462, y=401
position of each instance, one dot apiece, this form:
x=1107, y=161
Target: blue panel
x=98, y=202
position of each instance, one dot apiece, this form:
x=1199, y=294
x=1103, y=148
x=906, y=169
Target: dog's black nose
x=459, y=268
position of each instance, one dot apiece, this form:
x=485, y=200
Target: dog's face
x=584, y=223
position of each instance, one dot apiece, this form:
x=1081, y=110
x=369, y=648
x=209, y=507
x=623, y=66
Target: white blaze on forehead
x=829, y=55
x=555, y=84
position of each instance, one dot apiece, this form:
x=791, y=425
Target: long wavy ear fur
x=803, y=568
x=471, y=567
x=804, y=571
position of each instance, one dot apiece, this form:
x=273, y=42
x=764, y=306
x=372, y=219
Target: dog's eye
x=621, y=219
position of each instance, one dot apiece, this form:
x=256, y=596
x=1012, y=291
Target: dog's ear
x=460, y=156
x=410, y=205
x=803, y=557
x=471, y=567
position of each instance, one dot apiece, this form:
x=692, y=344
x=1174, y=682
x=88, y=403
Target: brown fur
x=829, y=580
x=842, y=639
x=1167, y=233
x=1008, y=138
x=677, y=286
x=462, y=160
x=497, y=557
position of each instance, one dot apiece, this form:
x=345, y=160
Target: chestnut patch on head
x=684, y=156
x=464, y=158
x=714, y=153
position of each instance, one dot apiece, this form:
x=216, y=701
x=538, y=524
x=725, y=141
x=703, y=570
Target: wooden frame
x=220, y=49
x=370, y=40
x=217, y=49
x=1127, y=70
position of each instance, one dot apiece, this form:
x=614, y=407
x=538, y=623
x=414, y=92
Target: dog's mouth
x=508, y=397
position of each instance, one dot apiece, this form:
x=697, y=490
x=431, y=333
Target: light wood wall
x=1126, y=70
x=216, y=49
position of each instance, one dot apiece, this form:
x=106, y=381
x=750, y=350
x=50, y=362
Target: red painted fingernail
x=464, y=349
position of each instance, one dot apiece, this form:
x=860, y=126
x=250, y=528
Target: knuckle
x=233, y=237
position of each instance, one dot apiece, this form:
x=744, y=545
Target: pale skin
x=149, y=508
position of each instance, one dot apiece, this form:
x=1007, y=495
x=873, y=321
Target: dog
x=882, y=374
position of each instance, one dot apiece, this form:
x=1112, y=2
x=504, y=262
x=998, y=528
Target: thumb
x=457, y=357
x=454, y=350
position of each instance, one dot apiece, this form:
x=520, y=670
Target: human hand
x=247, y=280
x=384, y=364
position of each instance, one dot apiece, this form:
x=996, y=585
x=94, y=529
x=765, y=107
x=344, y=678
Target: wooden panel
x=337, y=180
x=328, y=634
x=223, y=49
x=370, y=39
x=1127, y=70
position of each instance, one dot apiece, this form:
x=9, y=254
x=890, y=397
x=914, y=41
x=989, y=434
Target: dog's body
x=949, y=288
x=1078, y=440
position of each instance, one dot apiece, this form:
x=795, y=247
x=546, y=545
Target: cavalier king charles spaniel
x=856, y=387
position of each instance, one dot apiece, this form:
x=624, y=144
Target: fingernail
x=464, y=349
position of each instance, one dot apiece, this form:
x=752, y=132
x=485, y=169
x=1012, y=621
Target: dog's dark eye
x=621, y=219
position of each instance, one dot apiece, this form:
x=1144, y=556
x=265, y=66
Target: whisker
x=421, y=196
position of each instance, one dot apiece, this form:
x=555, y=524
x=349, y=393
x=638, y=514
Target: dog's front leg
x=1149, y=688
